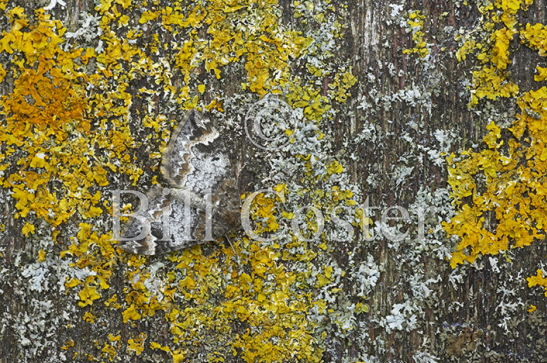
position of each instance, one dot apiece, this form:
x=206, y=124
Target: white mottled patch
x=202, y=202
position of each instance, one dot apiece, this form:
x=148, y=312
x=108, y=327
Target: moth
x=202, y=202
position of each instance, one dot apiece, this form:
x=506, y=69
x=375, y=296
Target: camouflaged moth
x=202, y=202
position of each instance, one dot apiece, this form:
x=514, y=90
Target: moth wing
x=167, y=226
x=197, y=166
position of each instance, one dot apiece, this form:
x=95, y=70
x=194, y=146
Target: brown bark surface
x=474, y=313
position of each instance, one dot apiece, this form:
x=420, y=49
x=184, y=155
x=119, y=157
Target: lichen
x=70, y=133
x=499, y=190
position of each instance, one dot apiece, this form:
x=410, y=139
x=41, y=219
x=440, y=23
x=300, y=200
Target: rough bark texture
x=418, y=309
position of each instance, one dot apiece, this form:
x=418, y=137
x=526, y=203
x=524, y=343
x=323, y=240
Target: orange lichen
x=69, y=130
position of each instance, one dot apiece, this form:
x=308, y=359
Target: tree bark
x=239, y=300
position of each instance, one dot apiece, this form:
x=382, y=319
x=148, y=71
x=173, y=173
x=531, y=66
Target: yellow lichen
x=416, y=26
x=500, y=191
x=538, y=280
x=69, y=131
x=500, y=25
